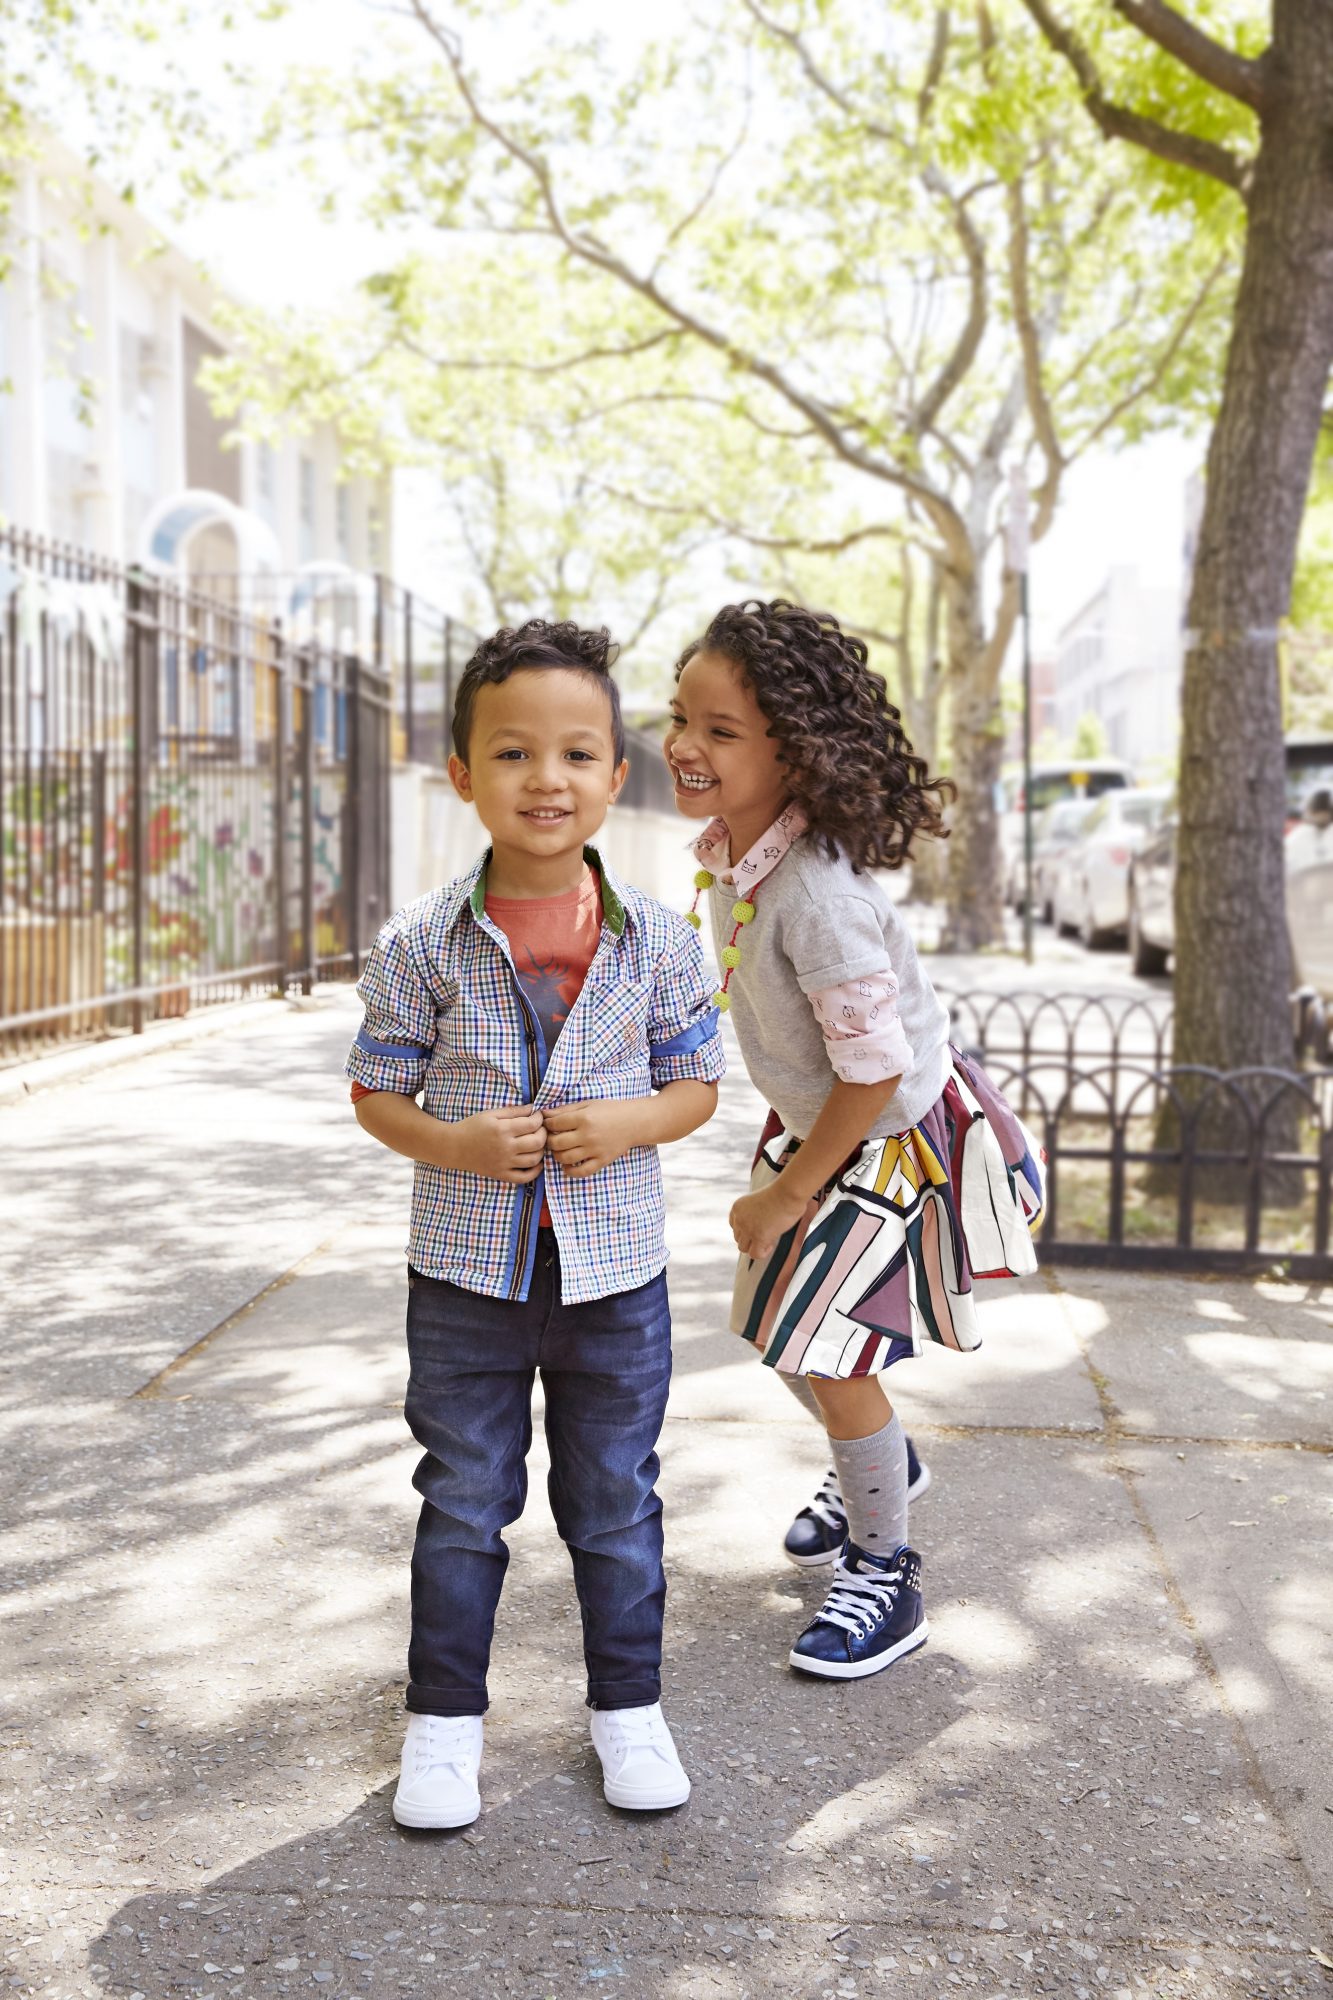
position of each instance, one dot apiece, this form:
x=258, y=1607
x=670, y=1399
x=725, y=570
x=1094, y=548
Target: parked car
x=1052, y=783
x=1053, y=835
x=1309, y=852
x=1092, y=882
x=1309, y=760
x=1151, y=895
x=1309, y=872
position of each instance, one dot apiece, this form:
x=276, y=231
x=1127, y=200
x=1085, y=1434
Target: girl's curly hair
x=865, y=791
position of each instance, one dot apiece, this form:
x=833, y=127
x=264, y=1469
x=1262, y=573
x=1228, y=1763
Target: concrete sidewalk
x=1108, y=1772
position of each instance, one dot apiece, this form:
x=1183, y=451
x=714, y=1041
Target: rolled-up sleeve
x=865, y=1037
x=396, y=1037
x=683, y=1039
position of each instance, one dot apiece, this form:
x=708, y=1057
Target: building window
x=374, y=536
x=266, y=471
x=343, y=504
x=307, y=508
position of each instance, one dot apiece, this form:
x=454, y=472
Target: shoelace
x=827, y=1507
x=444, y=1742
x=857, y=1602
x=638, y=1729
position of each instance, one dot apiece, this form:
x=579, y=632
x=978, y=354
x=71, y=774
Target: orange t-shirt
x=552, y=941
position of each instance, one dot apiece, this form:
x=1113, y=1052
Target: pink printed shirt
x=858, y=1019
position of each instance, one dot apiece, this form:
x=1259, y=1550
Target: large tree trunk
x=974, y=908
x=1232, y=954
x=1233, y=964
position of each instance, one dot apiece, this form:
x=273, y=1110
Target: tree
x=897, y=283
x=1247, y=125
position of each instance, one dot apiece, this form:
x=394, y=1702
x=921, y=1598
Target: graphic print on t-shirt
x=552, y=982
x=552, y=940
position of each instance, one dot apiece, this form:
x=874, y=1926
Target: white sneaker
x=640, y=1768
x=437, y=1785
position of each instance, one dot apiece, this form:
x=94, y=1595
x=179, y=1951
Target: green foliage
x=1089, y=738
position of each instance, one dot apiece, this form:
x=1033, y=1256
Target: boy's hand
x=759, y=1221
x=584, y=1138
x=504, y=1145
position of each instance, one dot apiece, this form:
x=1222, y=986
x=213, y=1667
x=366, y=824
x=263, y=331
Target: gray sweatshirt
x=816, y=924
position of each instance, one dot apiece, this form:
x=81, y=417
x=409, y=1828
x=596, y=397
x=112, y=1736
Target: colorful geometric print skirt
x=885, y=1256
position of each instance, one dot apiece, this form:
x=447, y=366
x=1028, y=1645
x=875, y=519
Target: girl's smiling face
x=720, y=753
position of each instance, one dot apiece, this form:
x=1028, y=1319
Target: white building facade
x=104, y=427
x=1120, y=659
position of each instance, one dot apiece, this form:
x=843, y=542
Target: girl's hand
x=584, y=1138
x=758, y=1221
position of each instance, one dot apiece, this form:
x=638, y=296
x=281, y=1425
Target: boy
x=539, y=1005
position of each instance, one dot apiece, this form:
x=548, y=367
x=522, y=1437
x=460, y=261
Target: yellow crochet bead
x=731, y=956
x=703, y=879
x=693, y=917
x=742, y=912
x=722, y=1001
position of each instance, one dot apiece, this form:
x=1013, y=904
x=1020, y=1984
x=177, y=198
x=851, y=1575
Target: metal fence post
x=409, y=704
x=353, y=815
x=282, y=709
x=308, y=951
x=135, y=608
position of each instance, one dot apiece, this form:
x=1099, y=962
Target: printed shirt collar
x=712, y=850
x=470, y=893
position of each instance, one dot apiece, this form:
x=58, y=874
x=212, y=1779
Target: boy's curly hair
x=865, y=791
x=538, y=643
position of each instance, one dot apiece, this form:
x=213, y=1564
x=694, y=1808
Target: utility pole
x=1017, y=551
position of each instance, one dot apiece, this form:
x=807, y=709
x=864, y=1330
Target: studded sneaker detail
x=437, y=1784
x=872, y=1616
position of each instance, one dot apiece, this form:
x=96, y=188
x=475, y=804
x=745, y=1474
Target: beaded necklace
x=742, y=913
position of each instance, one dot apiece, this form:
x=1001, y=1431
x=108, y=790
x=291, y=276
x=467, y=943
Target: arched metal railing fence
x=1152, y=1164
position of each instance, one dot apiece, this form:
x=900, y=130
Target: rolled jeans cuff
x=446, y=1701
x=641, y=1693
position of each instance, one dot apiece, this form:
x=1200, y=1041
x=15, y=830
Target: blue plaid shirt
x=445, y=1015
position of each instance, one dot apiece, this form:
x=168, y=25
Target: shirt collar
x=469, y=893
x=712, y=850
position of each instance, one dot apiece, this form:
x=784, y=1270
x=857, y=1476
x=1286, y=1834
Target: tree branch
x=1181, y=149
x=944, y=515
x=1236, y=75
x=475, y=365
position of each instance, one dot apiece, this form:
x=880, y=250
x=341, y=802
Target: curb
x=77, y=1065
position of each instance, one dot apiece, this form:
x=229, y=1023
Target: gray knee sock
x=804, y=1394
x=872, y=1473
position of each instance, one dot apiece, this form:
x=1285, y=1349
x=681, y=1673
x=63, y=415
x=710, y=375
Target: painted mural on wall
x=210, y=878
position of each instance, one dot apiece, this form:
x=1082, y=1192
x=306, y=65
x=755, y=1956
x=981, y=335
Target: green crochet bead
x=722, y=1001
x=731, y=956
x=693, y=917
x=703, y=879
x=742, y=912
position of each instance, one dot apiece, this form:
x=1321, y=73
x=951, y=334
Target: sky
x=1119, y=508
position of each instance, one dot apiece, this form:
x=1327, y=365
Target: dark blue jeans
x=605, y=1368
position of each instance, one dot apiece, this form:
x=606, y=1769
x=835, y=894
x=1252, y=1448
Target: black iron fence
x=193, y=799
x=1151, y=1164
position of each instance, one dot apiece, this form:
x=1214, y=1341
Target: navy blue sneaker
x=918, y=1475
x=871, y=1617
x=815, y=1537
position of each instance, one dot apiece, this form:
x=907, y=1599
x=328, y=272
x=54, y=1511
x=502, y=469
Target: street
x=1107, y=1772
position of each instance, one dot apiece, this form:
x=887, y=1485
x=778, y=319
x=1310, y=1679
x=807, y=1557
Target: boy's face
x=541, y=764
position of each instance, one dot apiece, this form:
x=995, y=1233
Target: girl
x=890, y=1172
